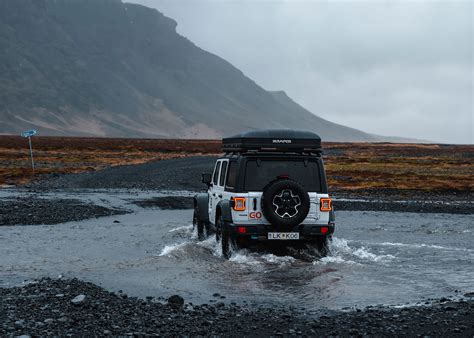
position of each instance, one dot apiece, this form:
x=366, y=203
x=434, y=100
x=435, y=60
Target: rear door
x=212, y=192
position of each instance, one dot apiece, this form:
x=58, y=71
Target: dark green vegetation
x=105, y=68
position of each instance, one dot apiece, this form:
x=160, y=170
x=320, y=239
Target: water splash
x=185, y=229
x=168, y=249
x=341, y=253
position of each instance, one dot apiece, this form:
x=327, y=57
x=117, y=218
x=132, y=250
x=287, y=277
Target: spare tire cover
x=285, y=202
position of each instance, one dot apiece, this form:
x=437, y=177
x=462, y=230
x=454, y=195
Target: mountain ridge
x=113, y=69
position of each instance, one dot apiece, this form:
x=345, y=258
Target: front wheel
x=198, y=224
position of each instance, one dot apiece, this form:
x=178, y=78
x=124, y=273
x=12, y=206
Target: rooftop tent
x=273, y=140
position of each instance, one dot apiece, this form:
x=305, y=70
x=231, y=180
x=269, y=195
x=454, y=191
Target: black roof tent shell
x=273, y=141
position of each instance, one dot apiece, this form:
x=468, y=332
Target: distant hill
x=105, y=68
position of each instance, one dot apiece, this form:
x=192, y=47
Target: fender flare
x=201, y=202
x=226, y=210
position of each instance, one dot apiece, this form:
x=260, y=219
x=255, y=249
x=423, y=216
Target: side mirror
x=206, y=178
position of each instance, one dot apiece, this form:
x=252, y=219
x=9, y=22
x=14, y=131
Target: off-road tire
x=291, y=191
x=322, y=244
x=222, y=236
x=197, y=223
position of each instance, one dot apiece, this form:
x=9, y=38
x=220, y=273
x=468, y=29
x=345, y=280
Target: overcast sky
x=386, y=67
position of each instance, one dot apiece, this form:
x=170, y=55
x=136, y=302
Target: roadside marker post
x=29, y=134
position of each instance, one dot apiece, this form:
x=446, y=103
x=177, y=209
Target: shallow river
x=376, y=258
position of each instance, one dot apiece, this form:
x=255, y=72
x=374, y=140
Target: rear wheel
x=222, y=236
x=322, y=244
x=198, y=224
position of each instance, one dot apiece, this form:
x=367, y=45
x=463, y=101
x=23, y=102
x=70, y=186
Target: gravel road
x=174, y=174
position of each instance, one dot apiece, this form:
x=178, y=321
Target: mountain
x=107, y=68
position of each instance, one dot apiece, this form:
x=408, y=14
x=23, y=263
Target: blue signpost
x=28, y=134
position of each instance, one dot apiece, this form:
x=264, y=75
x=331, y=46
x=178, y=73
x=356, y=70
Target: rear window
x=216, y=173
x=231, y=175
x=259, y=173
x=223, y=172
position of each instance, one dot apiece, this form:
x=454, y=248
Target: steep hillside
x=105, y=68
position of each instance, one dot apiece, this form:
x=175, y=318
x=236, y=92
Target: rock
x=49, y=320
x=20, y=324
x=78, y=299
x=176, y=301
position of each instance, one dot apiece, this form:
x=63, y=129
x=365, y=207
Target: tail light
x=241, y=230
x=325, y=204
x=239, y=204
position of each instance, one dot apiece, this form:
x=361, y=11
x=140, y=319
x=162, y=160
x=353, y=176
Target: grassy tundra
x=351, y=167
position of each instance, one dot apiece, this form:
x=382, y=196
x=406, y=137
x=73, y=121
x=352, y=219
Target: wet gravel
x=33, y=210
x=73, y=307
x=166, y=203
x=462, y=208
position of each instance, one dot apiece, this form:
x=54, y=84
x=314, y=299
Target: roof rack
x=273, y=141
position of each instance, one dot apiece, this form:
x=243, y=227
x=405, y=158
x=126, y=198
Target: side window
x=231, y=176
x=216, y=173
x=223, y=172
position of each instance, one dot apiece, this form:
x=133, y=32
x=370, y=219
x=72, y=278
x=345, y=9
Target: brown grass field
x=350, y=166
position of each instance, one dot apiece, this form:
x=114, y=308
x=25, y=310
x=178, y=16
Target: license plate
x=283, y=235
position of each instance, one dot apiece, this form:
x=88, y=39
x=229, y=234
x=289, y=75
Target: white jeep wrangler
x=269, y=186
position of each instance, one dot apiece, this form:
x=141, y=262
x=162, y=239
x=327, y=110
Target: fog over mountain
x=387, y=67
x=104, y=68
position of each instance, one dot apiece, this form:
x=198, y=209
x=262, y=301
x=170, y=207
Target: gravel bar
x=34, y=210
x=73, y=307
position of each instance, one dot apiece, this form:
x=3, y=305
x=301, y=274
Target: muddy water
x=376, y=258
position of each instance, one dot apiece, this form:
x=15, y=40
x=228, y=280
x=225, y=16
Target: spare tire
x=285, y=202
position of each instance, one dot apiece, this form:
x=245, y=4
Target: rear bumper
x=260, y=232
